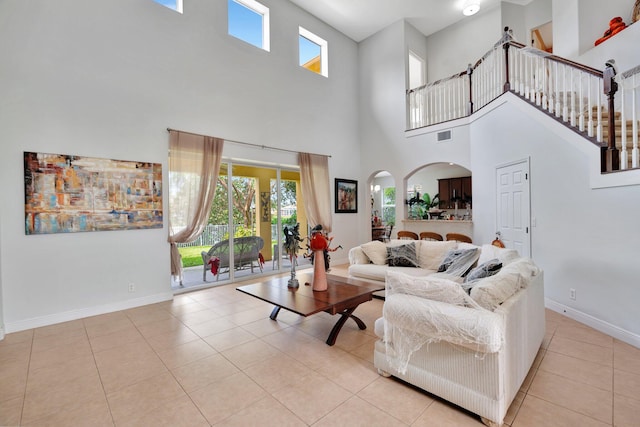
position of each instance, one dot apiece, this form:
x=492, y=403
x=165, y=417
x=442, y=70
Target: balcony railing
x=578, y=96
x=629, y=84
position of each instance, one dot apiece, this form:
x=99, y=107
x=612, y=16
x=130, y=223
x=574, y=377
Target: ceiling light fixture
x=471, y=7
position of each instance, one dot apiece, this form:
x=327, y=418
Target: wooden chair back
x=459, y=237
x=407, y=235
x=430, y=235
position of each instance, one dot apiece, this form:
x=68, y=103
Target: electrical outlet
x=132, y=287
x=572, y=294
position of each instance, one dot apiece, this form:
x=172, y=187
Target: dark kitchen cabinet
x=451, y=189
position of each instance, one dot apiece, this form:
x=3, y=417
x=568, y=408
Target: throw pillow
x=402, y=256
x=458, y=262
x=433, y=288
x=431, y=254
x=465, y=245
x=486, y=269
x=524, y=266
x=492, y=291
x=490, y=252
x=376, y=251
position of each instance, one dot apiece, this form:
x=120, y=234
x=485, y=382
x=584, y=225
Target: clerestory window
x=248, y=21
x=313, y=52
x=171, y=4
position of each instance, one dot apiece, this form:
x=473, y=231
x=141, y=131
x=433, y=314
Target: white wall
x=522, y=19
x=576, y=244
x=2, y=328
x=537, y=13
x=577, y=25
x=382, y=119
x=472, y=38
x=594, y=17
x=514, y=17
x=416, y=42
x=623, y=48
x=104, y=80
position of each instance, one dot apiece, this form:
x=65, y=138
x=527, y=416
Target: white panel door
x=512, y=215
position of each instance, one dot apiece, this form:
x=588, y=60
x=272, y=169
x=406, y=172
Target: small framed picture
x=346, y=196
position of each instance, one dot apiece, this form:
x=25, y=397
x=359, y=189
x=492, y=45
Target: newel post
x=470, y=106
x=505, y=46
x=612, y=155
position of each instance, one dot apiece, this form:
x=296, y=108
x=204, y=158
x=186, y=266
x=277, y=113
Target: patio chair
x=246, y=252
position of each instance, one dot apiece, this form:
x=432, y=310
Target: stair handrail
x=563, y=88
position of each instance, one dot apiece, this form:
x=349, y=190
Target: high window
x=313, y=52
x=171, y=4
x=416, y=71
x=249, y=21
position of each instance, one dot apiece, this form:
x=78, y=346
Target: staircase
x=562, y=88
x=628, y=140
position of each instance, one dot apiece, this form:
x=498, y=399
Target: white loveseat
x=472, y=350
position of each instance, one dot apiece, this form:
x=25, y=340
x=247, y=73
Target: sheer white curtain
x=194, y=164
x=316, y=190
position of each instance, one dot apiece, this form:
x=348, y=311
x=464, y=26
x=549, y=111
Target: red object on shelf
x=615, y=26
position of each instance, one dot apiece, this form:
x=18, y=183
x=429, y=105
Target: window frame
x=423, y=65
x=259, y=9
x=324, y=49
x=178, y=8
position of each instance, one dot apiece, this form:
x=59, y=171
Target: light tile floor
x=213, y=357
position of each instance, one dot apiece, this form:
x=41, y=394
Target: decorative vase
x=293, y=281
x=319, y=273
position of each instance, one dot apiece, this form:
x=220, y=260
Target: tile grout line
x=26, y=380
x=93, y=355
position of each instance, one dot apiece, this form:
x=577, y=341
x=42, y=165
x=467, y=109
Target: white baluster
x=589, y=106
x=572, y=96
x=532, y=78
x=634, y=126
x=521, y=71
x=536, y=80
x=581, y=100
x=599, y=117
x=624, y=156
x=565, y=102
x=550, y=80
x=558, y=104
x=526, y=76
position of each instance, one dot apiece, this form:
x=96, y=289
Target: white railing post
x=572, y=96
x=558, y=104
x=634, y=118
x=581, y=102
x=599, y=116
x=589, y=108
x=624, y=156
x=565, y=106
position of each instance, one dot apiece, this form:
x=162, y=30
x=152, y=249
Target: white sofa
x=472, y=350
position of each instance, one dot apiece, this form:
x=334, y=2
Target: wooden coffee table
x=343, y=296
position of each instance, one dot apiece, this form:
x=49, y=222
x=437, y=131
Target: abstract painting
x=67, y=194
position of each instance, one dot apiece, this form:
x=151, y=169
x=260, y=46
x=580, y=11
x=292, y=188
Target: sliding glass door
x=252, y=205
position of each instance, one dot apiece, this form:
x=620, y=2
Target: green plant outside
x=191, y=256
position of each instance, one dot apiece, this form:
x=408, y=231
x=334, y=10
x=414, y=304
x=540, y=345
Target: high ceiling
x=358, y=19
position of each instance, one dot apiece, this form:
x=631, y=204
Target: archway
x=382, y=196
x=439, y=186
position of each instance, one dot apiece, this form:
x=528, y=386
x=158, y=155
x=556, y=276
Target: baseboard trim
x=1, y=333
x=67, y=316
x=597, y=324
